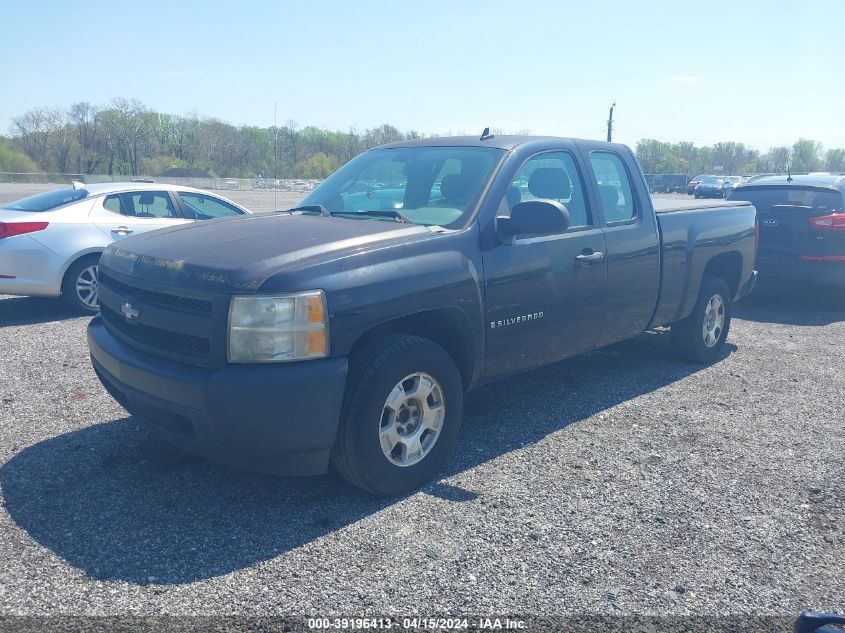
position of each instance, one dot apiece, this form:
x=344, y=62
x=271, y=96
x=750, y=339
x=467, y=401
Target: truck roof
x=504, y=141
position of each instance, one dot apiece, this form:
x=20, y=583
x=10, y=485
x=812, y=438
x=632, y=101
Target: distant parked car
x=802, y=226
x=712, y=187
x=732, y=182
x=692, y=184
x=259, y=183
x=670, y=183
x=50, y=243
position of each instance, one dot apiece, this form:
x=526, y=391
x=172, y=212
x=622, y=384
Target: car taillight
x=831, y=222
x=9, y=229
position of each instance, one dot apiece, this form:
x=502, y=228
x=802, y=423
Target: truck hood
x=239, y=254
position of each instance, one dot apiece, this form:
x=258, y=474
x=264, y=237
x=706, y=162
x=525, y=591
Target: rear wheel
x=401, y=417
x=80, y=287
x=701, y=336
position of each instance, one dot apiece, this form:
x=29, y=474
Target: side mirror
x=534, y=217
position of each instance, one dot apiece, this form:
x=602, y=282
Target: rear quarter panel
x=690, y=240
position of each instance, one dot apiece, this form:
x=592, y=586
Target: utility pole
x=610, y=124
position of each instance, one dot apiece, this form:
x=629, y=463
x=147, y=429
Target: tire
x=79, y=286
x=696, y=196
x=689, y=337
x=394, y=368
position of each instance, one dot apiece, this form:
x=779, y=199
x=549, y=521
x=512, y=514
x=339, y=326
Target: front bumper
x=279, y=418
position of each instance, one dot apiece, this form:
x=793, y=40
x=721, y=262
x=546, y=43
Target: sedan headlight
x=274, y=329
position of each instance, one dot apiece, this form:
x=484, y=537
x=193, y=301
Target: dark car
x=692, y=184
x=802, y=226
x=713, y=187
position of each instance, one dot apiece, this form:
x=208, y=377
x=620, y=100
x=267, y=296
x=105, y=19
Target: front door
x=545, y=296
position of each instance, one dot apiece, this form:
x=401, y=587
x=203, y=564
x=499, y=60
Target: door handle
x=587, y=259
x=122, y=230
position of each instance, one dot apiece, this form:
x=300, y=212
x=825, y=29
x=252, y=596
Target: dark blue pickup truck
x=347, y=331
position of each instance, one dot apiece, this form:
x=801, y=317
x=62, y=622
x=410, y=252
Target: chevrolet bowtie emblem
x=129, y=312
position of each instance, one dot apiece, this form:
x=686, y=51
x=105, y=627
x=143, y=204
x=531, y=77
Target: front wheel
x=701, y=336
x=80, y=287
x=401, y=417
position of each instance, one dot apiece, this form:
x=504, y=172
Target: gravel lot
x=619, y=482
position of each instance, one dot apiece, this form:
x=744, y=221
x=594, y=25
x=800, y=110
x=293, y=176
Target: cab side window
x=615, y=191
x=552, y=176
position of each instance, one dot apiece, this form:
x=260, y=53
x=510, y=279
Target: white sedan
x=50, y=243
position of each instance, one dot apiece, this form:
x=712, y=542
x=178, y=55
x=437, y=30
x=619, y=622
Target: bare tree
x=83, y=117
x=32, y=132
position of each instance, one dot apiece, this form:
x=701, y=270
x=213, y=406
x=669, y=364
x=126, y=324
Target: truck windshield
x=426, y=185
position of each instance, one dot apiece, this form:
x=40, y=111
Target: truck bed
x=665, y=205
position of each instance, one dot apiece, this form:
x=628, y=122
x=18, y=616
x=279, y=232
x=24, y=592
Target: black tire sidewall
x=380, y=376
x=69, y=295
x=711, y=287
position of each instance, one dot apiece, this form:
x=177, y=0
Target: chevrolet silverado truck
x=346, y=331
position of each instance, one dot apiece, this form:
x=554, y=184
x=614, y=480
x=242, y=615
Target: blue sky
x=764, y=73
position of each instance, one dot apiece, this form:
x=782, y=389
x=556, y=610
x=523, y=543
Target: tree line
x=127, y=138
x=658, y=157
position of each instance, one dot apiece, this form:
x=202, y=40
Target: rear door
x=545, y=295
x=793, y=226
x=128, y=213
x=633, y=249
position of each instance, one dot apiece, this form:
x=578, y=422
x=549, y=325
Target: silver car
x=50, y=243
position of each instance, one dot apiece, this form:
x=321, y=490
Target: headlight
x=273, y=329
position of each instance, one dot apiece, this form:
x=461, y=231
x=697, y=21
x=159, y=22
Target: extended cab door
x=631, y=240
x=120, y=215
x=546, y=295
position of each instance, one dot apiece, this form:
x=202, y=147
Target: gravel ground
x=620, y=482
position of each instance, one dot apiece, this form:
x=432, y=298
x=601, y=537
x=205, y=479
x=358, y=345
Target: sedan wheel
x=87, y=289
x=81, y=286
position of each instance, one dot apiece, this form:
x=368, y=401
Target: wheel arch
x=726, y=266
x=95, y=250
x=448, y=327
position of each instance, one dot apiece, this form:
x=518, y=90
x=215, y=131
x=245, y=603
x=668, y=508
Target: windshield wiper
x=315, y=208
x=377, y=213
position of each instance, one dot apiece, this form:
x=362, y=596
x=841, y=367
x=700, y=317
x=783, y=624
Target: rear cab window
x=615, y=191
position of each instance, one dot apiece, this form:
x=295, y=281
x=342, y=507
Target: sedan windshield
x=47, y=201
x=422, y=185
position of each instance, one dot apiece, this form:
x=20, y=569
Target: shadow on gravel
x=29, y=310
x=792, y=304
x=116, y=503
